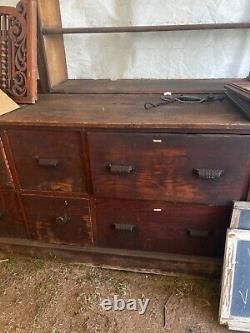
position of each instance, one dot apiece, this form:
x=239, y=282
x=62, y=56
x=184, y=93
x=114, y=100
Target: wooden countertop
x=127, y=111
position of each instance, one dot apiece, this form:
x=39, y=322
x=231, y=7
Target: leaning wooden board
x=100, y=179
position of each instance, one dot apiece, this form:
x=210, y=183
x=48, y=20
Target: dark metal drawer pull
x=124, y=227
x=1, y=215
x=120, y=169
x=48, y=162
x=198, y=233
x=62, y=219
x=208, y=173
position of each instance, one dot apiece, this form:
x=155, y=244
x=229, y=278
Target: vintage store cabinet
x=120, y=188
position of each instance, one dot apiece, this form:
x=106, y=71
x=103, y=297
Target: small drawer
x=48, y=160
x=59, y=220
x=11, y=218
x=163, y=227
x=6, y=181
x=209, y=169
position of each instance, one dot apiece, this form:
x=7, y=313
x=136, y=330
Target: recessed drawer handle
x=62, y=219
x=48, y=162
x=208, y=173
x=198, y=233
x=120, y=169
x=124, y=227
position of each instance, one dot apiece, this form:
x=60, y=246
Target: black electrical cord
x=186, y=99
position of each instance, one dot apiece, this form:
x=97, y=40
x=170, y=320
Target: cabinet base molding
x=126, y=260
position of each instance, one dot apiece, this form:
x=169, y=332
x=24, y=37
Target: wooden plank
x=144, y=86
x=234, y=304
x=127, y=260
x=127, y=112
x=52, y=46
x=154, y=28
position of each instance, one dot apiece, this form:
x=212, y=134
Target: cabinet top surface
x=126, y=111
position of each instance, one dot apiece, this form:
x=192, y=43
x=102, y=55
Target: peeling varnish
x=6, y=163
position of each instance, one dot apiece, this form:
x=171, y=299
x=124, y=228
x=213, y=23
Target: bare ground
x=46, y=296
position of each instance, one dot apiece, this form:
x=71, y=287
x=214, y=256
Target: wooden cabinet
x=210, y=169
x=11, y=217
x=162, y=226
x=59, y=220
x=48, y=160
x=101, y=178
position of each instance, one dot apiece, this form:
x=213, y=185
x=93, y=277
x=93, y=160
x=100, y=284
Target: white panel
x=194, y=54
x=8, y=2
x=160, y=55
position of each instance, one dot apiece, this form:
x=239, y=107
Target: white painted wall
x=190, y=54
x=195, y=54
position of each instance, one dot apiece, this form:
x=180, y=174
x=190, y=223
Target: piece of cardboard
x=6, y=104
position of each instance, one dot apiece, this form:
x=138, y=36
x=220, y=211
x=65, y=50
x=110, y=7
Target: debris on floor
x=44, y=296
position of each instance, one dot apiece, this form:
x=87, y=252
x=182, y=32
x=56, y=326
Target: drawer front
x=59, y=220
x=210, y=169
x=11, y=220
x=48, y=160
x=163, y=227
x=6, y=181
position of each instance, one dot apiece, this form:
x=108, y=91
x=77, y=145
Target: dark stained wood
x=6, y=180
x=18, y=58
x=151, y=28
x=143, y=86
x=11, y=218
x=137, y=261
x=48, y=145
x=48, y=160
x=165, y=227
x=127, y=111
x=59, y=220
x=165, y=166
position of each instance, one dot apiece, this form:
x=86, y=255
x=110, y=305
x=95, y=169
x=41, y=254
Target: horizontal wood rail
x=183, y=27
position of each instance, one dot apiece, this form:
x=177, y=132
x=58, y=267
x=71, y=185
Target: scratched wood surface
x=59, y=220
x=127, y=111
x=6, y=181
x=141, y=86
x=11, y=218
x=166, y=166
x=48, y=160
x=162, y=226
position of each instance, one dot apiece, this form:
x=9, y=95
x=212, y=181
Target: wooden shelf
x=153, y=28
x=143, y=86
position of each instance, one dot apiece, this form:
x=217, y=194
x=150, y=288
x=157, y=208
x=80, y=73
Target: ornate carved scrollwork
x=18, y=51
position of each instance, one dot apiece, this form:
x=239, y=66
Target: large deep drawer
x=59, y=220
x=161, y=226
x=48, y=160
x=211, y=169
x=11, y=217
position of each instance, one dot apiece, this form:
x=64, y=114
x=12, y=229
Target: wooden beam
x=127, y=260
x=53, y=51
x=48, y=30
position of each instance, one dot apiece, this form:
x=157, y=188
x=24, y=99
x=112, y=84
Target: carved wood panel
x=18, y=51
